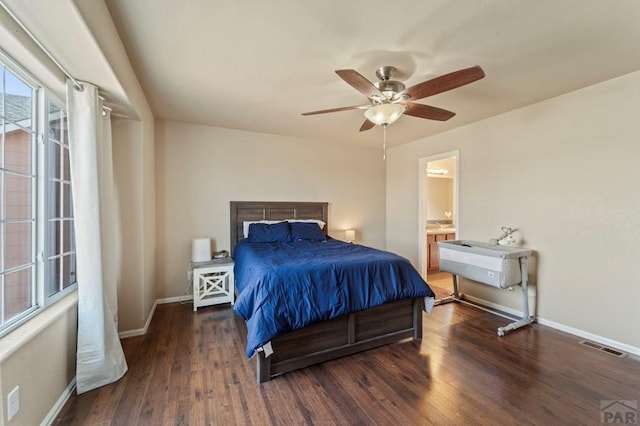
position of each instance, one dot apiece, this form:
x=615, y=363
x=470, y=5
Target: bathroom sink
x=439, y=230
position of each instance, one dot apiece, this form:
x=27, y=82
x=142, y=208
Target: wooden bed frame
x=333, y=338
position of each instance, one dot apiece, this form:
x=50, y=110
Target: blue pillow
x=269, y=233
x=306, y=231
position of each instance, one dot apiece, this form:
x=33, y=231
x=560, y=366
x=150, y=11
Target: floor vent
x=605, y=349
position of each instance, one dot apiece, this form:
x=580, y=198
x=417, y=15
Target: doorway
x=438, y=216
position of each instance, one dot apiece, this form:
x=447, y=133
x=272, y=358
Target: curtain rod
x=36, y=41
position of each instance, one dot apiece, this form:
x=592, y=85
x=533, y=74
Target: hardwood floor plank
x=376, y=386
x=182, y=415
x=191, y=368
x=315, y=396
x=157, y=392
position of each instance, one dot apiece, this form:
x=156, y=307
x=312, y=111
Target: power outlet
x=13, y=402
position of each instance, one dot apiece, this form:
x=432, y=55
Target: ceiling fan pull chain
x=384, y=142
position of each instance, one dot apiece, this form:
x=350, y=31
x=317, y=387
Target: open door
x=438, y=216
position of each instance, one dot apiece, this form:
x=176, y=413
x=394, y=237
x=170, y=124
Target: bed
x=324, y=339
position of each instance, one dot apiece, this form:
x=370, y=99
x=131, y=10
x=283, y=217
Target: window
x=37, y=252
x=60, y=253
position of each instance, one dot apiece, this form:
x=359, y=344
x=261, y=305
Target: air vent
x=604, y=349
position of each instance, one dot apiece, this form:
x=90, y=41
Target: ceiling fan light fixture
x=384, y=114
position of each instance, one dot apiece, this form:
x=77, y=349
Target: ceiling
x=257, y=65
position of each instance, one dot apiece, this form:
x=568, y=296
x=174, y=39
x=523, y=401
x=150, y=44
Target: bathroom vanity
x=433, y=253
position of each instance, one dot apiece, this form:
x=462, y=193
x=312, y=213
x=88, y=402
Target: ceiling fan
x=388, y=99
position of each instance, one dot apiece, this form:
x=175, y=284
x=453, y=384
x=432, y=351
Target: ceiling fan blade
x=360, y=83
x=426, y=111
x=445, y=82
x=366, y=125
x=347, y=108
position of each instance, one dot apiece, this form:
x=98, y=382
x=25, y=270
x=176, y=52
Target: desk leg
x=455, y=297
x=526, y=317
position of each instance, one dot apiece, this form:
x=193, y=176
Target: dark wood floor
x=190, y=368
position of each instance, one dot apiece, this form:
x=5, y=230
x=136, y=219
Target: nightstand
x=213, y=282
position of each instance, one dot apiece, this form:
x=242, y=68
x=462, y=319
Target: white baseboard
x=143, y=331
x=57, y=407
x=140, y=331
x=494, y=307
x=561, y=327
x=590, y=336
x=184, y=298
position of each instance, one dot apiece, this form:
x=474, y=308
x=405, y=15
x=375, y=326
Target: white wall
x=565, y=173
x=200, y=169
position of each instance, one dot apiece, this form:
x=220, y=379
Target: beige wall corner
x=200, y=169
x=564, y=173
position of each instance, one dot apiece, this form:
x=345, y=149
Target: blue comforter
x=283, y=287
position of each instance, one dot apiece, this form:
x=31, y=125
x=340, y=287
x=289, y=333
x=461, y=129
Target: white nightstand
x=213, y=282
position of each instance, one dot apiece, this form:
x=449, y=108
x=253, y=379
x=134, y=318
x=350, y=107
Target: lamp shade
x=350, y=235
x=201, y=250
x=384, y=114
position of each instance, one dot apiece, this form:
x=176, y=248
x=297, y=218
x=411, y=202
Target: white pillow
x=245, y=224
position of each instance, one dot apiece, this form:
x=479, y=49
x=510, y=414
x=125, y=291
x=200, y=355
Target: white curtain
x=100, y=359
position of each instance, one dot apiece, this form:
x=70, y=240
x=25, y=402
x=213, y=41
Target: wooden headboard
x=273, y=210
